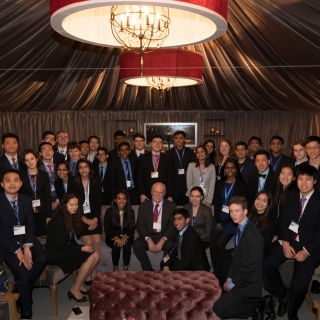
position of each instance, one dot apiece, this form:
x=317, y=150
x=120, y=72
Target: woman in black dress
x=64, y=183
x=36, y=185
x=62, y=249
x=211, y=148
x=88, y=189
x=119, y=227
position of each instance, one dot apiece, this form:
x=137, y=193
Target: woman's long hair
x=115, y=218
x=207, y=161
x=283, y=194
x=23, y=156
x=73, y=221
x=219, y=155
x=212, y=155
x=262, y=220
x=235, y=163
x=77, y=177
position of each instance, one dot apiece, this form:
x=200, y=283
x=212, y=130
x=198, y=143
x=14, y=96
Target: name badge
x=17, y=230
x=157, y=225
x=128, y=184
x=36, y=203
x=86, y=209
x=52, y=188
x=154, y=175
x=102, y=189
x=203, y=188
x=181, y=171
x=294, y=227
x=218, y=178
x=225, y=209
x=166, y=258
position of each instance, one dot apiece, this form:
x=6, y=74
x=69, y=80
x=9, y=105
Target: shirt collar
x=183, y=230
x=241, y=228
x=10, y=199
x=308, y=196
x=265, y=172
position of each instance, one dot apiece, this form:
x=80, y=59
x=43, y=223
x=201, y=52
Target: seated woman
x=64, y=183
x=62, y=249
x=119, y=227
x=200, y=215
x=263, y=217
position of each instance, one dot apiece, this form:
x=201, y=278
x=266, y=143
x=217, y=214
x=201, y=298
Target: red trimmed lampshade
x=185, y=66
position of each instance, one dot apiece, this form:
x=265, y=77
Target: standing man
x=74, y=151
x=299, y=152
x=243, y=287
x=155, y=167
x=118, y=137
x=94, y=144
x=122, y=174
x=84, y=149
x=49, y=136
x=277, y=159
x=19, y=248
x=265, y=178
x=246, y=165
x=255, y=144
x=10, y=144
x=139, y=146
x=182, y=156
x=155, y=226
x=62, y=141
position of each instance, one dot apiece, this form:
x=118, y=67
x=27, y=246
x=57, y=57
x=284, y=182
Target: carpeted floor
x=42, y=305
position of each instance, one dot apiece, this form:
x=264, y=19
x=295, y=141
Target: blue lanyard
x=241, y=167
x=33, y=185
x=202, y=174
x=276, y=164
x=226, y=195
x=178, y=154
x=179, y=238
x=86, y=191
x=70, y=236
x=64, y=187
x=193, y=220
x=220, y=166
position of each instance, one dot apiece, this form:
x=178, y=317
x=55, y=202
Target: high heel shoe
x=86, y=293
x=88, y=283
x=71, y=296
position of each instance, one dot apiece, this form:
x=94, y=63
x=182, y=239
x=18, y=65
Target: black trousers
x=26, y=279
x=234, y=305
x=140, y=248
x=301, y=278
x=223, y=264
x=116, y=251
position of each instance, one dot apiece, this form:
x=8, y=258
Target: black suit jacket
x=270, y=185
x=246, y=267
x=285, y=160
x=248, y=168
x=165, y=170
x=240, y=189
x=8, y=241
x=4, y=162
x=113, y=155
x=107, y=196
x=309, y=225
x=43, y=191
x=193, y=256
x=145, y=220
x=133, y=154
x=57, y=157
x=180, y=181
x=58, y=185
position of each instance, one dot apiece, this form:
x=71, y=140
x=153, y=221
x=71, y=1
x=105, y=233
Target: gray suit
x=193, y=180
x=203, y=221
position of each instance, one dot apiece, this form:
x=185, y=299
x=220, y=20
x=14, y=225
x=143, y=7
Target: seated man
x=19, y=248
x=244, y=284
x=155, y=226
x=188, y=252
x=299, y=235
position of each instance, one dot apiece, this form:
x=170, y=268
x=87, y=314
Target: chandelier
x=160, y=83
x=139, y=28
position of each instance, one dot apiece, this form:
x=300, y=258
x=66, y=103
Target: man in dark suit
x=299, y=235
x=155, y=226
x=118, y=137
x=255, y=144
x=139, y=146
x=10, y=144
x=155, y=167
x=244, y=284
x=19, y=247
x=265, y=178
x=49, y=136
x=246, y=165
x=188, y=252
x=182, y=156
x=74, y=151
x=62, y=139
x=277, y=158
x=122, y=174
x=94, y=144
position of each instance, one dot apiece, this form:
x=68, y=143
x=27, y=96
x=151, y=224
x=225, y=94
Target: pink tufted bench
x=180, y=295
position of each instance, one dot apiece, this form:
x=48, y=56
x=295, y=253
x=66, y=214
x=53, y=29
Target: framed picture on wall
x=167, y=129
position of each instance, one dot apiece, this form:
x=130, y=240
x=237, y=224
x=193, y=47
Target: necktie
x=301, y=204
x=61, y=151
x=101, y=174
x=15, y=208
x=34, y=181
x=262, y=175
x=155, y=162
x=238, y=236
x=155, y=215
x=127, y=173
x=51, y=178
x=14, y=164
x=74, y=169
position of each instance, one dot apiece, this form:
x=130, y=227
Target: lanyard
x=279, y=205
x=220, y=166
x=179, y=238
x=226, y=195
x=178, y=154
x=65, y=187
x=276, y=164
x=241, y=166
x=202, y=174
x=33, y=185
x=86, y=191
x=193, y=220
x=155, y=163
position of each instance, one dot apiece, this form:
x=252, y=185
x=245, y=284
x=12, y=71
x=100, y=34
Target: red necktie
x=155, y=162
x=155, y=215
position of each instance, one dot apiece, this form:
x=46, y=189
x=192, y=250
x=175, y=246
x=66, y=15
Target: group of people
x=267, y=201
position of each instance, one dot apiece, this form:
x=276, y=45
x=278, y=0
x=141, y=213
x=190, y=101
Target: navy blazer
x=58, y=185
x=5, y=163
x=284, y=161
x=247, y=168
x=8, y=241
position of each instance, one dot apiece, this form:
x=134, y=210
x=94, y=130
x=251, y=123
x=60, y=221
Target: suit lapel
x=307, y=207
x=8, y=210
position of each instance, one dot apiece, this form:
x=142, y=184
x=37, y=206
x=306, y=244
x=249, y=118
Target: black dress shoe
x=258, y=314
x=71, y=296
x=283, y=305
x=88, y=283
x=86, y=293
x=294, y=318
x=315, y=287
x=271, y=311
x=23, y=317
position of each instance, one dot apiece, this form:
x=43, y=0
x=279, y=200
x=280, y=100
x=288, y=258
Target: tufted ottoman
x=146, y=295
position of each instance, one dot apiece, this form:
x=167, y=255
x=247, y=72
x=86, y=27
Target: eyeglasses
x=63, y=137
x=312, y=148
x=50, y=139
x=254, y=144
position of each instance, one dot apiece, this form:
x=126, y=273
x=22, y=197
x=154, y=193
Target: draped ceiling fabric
x=267, y=60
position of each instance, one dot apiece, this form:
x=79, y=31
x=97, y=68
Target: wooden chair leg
x=309, y=300
x=54, y=298
x=316, y=305
x=12, y=298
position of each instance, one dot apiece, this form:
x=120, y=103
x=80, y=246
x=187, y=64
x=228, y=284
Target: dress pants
x=116, y=251
x=233, y=305
x=140, y=248
x=26, y=279
x=301, y=278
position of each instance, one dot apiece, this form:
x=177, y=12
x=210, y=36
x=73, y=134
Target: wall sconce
x=131, y=130
x=217, y=132
x=212, y=131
